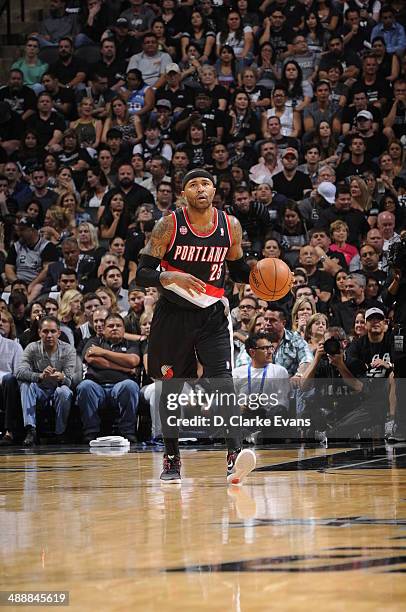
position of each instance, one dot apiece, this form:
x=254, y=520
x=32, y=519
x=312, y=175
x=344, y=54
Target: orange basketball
x=271, y=279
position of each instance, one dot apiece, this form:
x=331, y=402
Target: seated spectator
x=94, y=22
x=260, y=373
x=139, y=96
x=41, y=193
x=113, y=279
x=87, y=128
x=391, y=31
x=339, y=234
x=316, y=277
x=10, y=358
x=31, y=66
x=47, y=123
x=59, y=24
x=305, y=59
x=70, y=70
x=292, y=233
x=35, y=312
x=355, y=219
x=111, y=65
x=153, y=143
x=291, y=182
x=11, y=132
x=63, y=97
x=344, y=314
x=237, y=36
x=45, y=372
x=291, y=351
x=91, y=301
x=151, y=62
x=315, y=329
x=139, y=17
x=327, y=142
x=360, y=328
x=395, y=121
x=288, y=116
x=119, y=118
x=302, y=310
x=109, y=299
x=321, y=110
x=114, y=219
x=70, y=312
x=111, y=364
x=19, y=97
x=28, y=257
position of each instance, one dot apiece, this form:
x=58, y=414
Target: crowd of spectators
x=298, y=108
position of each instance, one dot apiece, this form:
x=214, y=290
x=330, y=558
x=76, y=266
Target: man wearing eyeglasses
x=262, y=377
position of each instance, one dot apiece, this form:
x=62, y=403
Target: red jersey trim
x=210, y=289
x=228, y=227
x=174, y=232
x=201, y=234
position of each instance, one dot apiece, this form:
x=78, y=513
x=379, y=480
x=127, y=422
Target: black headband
x=197, y=172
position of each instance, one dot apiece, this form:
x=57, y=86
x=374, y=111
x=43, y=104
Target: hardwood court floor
x=313, y=529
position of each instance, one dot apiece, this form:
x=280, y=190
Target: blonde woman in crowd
x=70, y=312
x=302, y=310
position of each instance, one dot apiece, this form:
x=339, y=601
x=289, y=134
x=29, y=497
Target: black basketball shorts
x=179, y=337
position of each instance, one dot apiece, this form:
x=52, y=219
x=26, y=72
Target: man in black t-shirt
x=342, y=211
x=359, y=162
x=70, y=70
x=47, y=123
x=21, y=99
x=371, y=354
x=291, y=182
x=349, y=60
x=111, y=65
x=63, y=98
x=109, y=382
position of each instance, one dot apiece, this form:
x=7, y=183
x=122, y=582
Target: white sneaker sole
x=245, y=463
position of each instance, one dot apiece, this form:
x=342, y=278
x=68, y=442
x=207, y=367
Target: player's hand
x=187, y=281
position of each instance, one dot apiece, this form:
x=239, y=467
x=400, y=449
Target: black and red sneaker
x=239, y=464
x=171, y=469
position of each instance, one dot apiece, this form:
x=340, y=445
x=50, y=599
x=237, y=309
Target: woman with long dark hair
x=292, y=234
x=266, y=66
x=241, y=122
x=314, y=32
x=299, y=92
x=200, y=35
x=389, y=65
x=226, y=68
x=119, y=118
x=238, y=36
x=113, y=218
x=96, y=187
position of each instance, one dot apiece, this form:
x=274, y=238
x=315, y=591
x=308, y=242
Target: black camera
x=332, y=346
x=397, y=255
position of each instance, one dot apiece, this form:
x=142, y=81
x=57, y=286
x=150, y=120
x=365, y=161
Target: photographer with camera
x=334, y=384
x=394, y=298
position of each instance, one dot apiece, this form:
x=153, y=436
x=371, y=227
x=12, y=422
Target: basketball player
x=185, y=257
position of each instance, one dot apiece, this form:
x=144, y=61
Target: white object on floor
x=109, y=441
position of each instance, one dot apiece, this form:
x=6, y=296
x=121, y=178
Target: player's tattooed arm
x=239, y=270
x=160, y=238
x=155, y=249
x=235, y=251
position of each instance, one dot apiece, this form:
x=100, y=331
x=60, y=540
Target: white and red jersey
x=202, y=255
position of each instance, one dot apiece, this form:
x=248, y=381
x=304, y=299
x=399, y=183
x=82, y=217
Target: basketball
x=271, y=279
